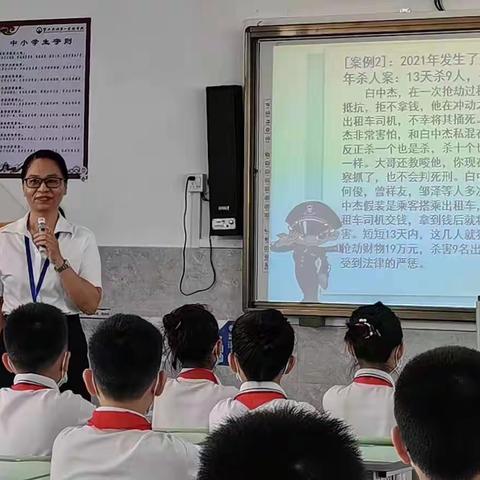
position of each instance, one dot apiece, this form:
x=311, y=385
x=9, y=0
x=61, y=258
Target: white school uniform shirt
x=77, y=245
x=31, y=419
x=233, y=407
x=366, y=404
x=186, y=403
x=92, y=453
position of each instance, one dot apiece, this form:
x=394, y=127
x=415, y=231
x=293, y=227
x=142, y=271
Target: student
x=125, y=355
x=186, y=402
x=285, y=444
x=437, y=398
x=374, y=337
x=33, y=411
x=262, y=347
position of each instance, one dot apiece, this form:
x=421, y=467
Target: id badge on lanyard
x=35, y=288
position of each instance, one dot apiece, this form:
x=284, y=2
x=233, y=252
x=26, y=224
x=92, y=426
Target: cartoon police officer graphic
x=311, y=225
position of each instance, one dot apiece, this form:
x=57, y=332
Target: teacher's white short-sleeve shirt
x=77, y=245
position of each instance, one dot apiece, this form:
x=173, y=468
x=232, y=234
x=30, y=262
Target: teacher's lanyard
x=35, y=289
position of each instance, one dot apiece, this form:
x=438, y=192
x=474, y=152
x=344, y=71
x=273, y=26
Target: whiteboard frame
x=310, y=31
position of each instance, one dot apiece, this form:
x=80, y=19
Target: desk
x=24, y=469
x=382, y=462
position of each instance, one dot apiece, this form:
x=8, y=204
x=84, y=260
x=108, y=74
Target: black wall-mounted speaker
x=225, y=158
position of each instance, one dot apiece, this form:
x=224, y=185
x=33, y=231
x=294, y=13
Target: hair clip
x=372, y=332
x=178, y=325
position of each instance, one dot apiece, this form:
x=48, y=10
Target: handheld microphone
x=42, y=227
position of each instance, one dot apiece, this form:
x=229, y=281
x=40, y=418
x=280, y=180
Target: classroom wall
x=151, y=61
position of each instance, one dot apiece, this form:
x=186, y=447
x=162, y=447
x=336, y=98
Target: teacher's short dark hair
x=287, y=443
x=437, y=399
x=50, y=155
x=35, y=335
x=125, y=355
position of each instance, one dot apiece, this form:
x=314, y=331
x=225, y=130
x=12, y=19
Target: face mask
x=398, y=367
x=217, y=358
x=149, y=413
x=10, y=364
x=218, y=353
x=64, y=378
x=238, y=377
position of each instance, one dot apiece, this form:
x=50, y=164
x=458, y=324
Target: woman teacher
x=58, y=265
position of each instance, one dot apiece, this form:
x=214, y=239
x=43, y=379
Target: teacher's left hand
x=48, y=240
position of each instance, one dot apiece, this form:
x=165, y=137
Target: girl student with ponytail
x=375, y=339
x=262, y=353
x=193, y=339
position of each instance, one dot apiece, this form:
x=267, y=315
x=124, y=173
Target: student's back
x=374, y=338
x=262, y=353
x=187, y=402
x=93, y=453
x=125, y=355
x=33, y=411
x=193, y=337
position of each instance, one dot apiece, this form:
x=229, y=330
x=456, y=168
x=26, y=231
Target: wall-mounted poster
x=44, y=88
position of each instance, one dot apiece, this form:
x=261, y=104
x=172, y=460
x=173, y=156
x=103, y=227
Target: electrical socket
x=199, y=184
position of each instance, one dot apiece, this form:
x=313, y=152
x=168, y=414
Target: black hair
x=437, y=397
x=50, y=155
x=35, y=336
x=374, y=331
x=263, y=342
x=125, y=355
x=285, y=444
x=192, y=332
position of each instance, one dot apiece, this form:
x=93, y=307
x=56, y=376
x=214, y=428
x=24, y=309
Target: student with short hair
x=187, y=400
x=262, y=353
x=33, y=411
x=286, y=444
x=437, y=400
x=125, y=356
x=374, y=338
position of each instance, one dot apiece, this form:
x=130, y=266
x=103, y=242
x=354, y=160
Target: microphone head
x=42, y=223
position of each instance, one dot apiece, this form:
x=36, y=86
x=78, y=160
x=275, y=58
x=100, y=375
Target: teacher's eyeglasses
x=50, y=182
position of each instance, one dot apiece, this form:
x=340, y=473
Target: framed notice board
x=44, y=92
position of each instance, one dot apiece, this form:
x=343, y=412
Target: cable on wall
x=184, y=250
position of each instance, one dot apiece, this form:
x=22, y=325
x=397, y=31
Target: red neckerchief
x=372, y=380
x=255, y=399
x=113, y=420
x=28, y=387
x=199, y=374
